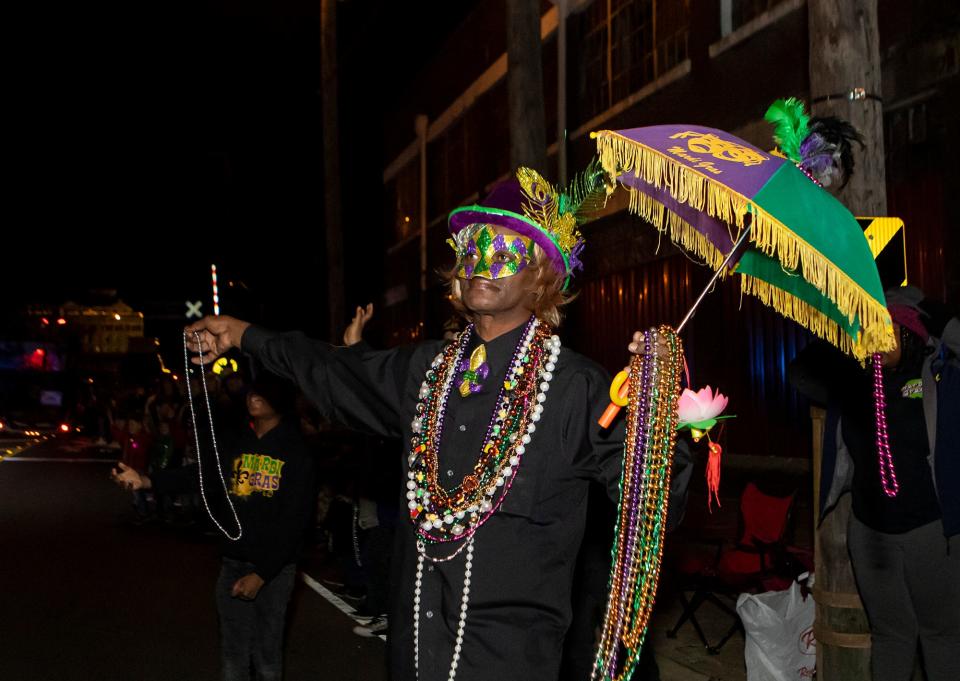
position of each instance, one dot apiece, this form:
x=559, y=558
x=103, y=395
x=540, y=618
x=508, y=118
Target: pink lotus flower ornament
x=700, y=410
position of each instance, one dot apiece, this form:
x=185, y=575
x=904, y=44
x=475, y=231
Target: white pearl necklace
x=464, y=603
x=553, y=347
x=213, y=435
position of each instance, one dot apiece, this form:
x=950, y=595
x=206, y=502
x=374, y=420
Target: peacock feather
x=561, y=211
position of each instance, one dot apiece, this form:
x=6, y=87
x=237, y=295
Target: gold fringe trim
x=681, y=232
x=801, y=312
x=809, y=317
x=619, y=155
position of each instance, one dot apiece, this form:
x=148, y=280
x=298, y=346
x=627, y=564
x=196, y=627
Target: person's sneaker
x=363, y=611
x=375, y=627
x=351, y=599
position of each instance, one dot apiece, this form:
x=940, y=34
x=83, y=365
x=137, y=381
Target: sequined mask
x=486, y=252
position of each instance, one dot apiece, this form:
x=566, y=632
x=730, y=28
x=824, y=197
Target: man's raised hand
x=354, y=333
x=128, y=478
x=217, y=336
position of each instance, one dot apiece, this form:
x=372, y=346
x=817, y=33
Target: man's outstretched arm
x=356, y=387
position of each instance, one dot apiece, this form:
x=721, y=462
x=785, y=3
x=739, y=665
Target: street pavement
x=87, y=595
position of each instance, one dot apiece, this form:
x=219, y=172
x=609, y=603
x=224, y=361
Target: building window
x=626, y=44
x=736, y=13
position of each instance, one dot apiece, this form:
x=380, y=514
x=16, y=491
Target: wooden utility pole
x=331, y=166
x=421, y=125
x=528, y=134
x=845, y=82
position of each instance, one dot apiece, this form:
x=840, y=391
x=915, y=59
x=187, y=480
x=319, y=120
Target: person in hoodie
x=270, y=483
x=904, y=526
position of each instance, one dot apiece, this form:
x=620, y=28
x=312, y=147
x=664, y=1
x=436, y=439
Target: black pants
x=376, y=544
x=252, y=631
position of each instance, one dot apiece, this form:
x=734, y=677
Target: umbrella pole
x=612, y=409
x=713, y=279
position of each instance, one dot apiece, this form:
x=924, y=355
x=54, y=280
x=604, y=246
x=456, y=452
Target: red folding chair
x=759, y=561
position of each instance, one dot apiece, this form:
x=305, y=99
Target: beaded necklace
x=213, y=435
x=888, y=476
x=644, y=488
x=449, y=515
x=443, y=516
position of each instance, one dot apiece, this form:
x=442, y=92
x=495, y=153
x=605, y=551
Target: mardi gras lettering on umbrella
x=708, y=143
x=695, y=160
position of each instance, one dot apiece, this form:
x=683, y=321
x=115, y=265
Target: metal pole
x=716, y=275
x=611, y=411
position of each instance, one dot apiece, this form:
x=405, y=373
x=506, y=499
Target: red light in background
x=45, y=321
x=64, y=428
x=36, y=359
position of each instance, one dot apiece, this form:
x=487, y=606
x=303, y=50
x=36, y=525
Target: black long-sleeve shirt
x=525, y=554
x=270, y=482
x=825, y=376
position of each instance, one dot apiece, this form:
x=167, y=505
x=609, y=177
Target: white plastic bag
x=778, y=626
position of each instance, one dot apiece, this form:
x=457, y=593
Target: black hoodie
x=271, y=485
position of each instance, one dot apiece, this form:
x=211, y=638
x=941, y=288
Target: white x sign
x=193, y=309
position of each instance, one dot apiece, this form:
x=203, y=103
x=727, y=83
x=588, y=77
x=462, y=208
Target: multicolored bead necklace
x=644, y=489
x=448, y=515
x=442, y=515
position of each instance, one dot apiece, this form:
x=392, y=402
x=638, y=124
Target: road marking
x=334, y=600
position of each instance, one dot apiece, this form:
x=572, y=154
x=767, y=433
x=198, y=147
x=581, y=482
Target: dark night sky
x=147, y=146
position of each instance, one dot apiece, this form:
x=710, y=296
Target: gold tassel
x=619, y=155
